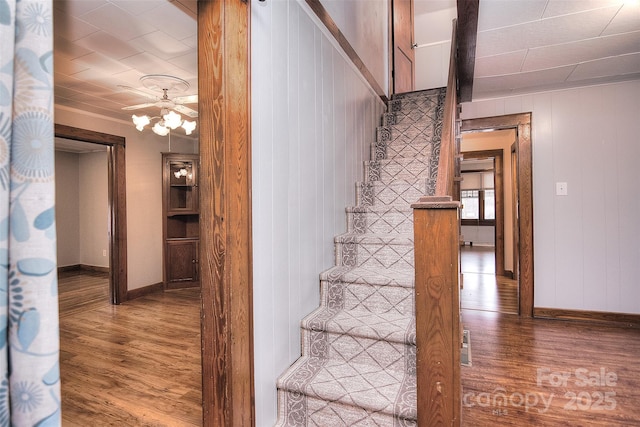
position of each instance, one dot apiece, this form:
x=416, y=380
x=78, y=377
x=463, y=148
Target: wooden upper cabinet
x=181, y=183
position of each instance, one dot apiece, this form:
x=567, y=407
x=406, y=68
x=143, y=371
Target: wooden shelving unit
x=181, y=228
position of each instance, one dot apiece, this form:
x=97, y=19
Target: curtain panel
x=29, y=334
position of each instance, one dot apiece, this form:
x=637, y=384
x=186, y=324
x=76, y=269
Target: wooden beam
x=225, y=213
x=467, y=35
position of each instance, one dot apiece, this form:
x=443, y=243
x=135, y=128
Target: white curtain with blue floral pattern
x=29, y=338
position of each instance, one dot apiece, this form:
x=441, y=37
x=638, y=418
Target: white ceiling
x=522, y=46
x=102, y=44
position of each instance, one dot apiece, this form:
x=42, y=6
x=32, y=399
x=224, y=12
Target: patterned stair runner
x=358, y=348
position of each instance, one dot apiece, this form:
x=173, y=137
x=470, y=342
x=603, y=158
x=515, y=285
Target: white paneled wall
x=314, y=119
x=586, y=244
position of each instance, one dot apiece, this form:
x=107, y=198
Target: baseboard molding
x=145, y=290
x=620, y=319
x=83, y=267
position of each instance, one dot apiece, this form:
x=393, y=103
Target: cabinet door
x=182, y=188
x=181, y=264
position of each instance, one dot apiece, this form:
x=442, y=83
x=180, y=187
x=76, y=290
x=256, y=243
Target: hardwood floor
x=136, y=364
x=550, y=372
x=482, y=289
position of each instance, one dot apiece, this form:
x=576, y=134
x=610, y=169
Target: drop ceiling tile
x=522, y=80
x=627, y=19
x=64, y=64
x=118, y=22
x=78, y=8
x=170, y=19
x=191, y=6
x=147, y=63
x=108, y=45
x=101, y=64
x=161, y=45
x=500, y=13
x=581, y=51
x=618, y=65
x=130, y=77
x=70, y=27
x=68, y=48
x=565, y=7
x=191, y=41
x=561, y=29
x=187, y=62
x=508, y=63
x=138, y=7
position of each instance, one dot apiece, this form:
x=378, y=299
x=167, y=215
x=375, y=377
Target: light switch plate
x=561, y=189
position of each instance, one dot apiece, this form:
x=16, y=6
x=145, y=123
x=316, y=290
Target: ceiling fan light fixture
x=172, y=119
x=140, y=121
x=160, y=129
x=188, y=126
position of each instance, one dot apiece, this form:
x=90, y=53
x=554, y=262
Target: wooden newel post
x=438, y=333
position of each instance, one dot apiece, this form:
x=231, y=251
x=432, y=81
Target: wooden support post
x=438, y=332
x=225, y=213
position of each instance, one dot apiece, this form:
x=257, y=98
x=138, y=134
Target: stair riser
x=374, y=298
x=366, y=351
x=392, y=170
x=374, y=255
x=309, y=411
x=394, y=221
x=380, y=194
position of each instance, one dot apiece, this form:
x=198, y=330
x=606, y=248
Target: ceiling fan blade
x=186, y=110
x=136, y=107
x=139, y=92
x=187, y=99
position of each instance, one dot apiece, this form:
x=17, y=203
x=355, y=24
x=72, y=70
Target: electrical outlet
x=104, y=252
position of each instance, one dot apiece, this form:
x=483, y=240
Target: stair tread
x=361, y=385
x=391, y=326
x=377, y=276
x=376, y=238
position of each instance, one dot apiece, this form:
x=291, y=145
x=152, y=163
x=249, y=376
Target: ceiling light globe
x=159, y=129
x=172, y=120
x=188, y=126
x=140, y=121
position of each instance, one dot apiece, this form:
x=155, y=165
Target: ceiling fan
x=169, y=119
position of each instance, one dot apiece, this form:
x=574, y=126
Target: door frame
x=498, y=177
x=523, y=151
x=117, y=233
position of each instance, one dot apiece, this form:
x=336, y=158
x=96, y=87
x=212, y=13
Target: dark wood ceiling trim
x=467, y=35
x=328, y=22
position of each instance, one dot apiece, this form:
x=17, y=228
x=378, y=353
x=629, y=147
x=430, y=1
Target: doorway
x=518, y=153
x=117, y=224
x=485, y=220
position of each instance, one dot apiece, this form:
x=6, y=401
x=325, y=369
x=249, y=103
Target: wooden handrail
x=446, y=168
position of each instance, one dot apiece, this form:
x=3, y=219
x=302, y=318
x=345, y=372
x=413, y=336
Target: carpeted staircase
x=358, y=348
